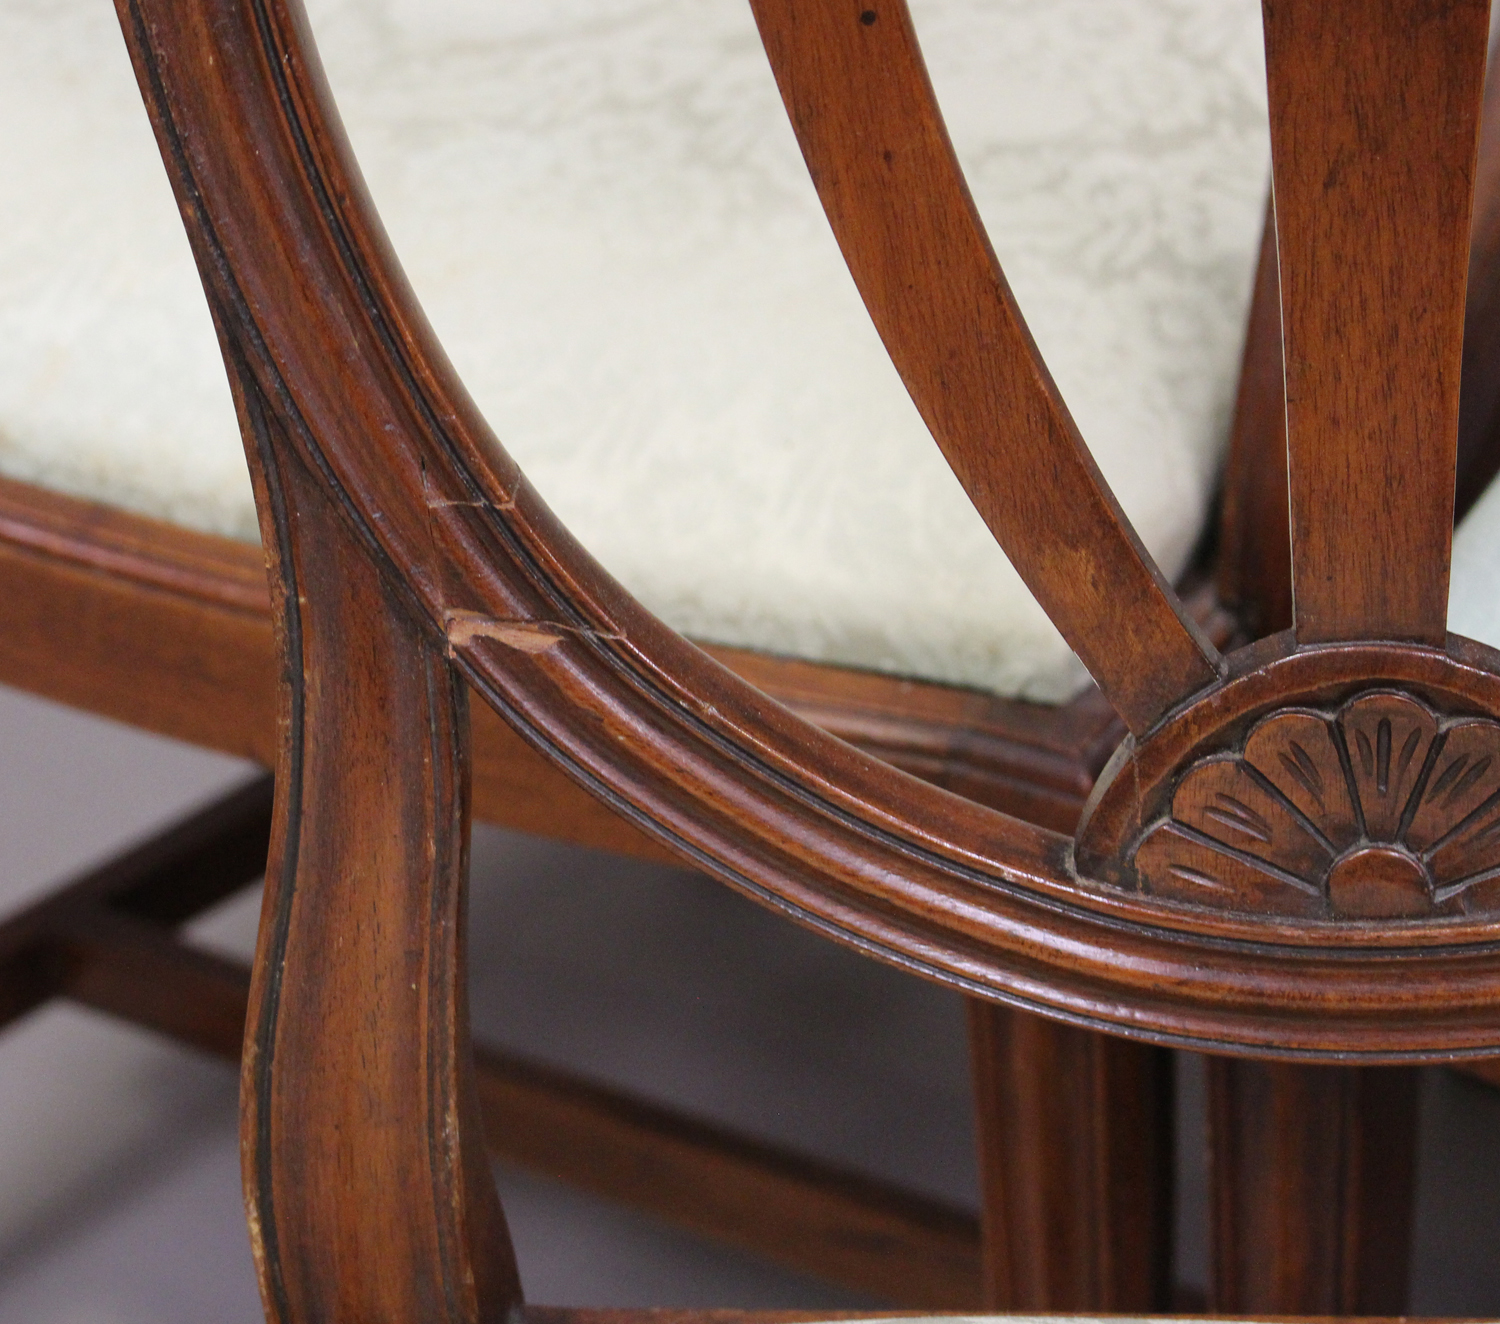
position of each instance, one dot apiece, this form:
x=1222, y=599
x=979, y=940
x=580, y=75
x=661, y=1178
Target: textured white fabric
x=604, y=211
x=1474, y=590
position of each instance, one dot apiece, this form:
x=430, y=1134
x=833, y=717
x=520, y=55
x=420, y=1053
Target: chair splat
x=859, y=98
x=1375, y=112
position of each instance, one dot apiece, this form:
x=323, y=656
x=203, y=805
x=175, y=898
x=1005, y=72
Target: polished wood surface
x=1313, y=1173
x=109, y=941
x=563, y=1315
x=368, y=1191
x=858, y=95
x=1254, y=570
x=1374, y=130
x=169, y=629
x=682, y=747
x=1075, y=1156
x=1378, y=809
x=1479, y=387
x=137, y=620
x=1255, y=541
x=409, y=553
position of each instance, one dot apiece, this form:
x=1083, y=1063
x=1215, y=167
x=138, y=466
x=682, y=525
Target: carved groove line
x=1382, y=809
x=1304, y=820
x=586, y=632
x=1018, y=902
x=1218, y=884
x=289, y=790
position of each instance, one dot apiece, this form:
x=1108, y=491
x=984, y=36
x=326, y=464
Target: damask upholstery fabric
x=604, y=211
x=1474, y=595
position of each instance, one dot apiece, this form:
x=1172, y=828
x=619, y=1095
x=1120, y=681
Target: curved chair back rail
x=343, y=391
x=1293, y=853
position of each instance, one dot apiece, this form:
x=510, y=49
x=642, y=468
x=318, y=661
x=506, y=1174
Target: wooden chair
x=170, y=629
x=401, y=571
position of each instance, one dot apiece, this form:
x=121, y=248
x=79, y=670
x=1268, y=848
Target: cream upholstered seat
x=602, y=206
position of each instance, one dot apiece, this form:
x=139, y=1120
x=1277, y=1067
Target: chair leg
x=1075, y=1132
x=1312, y=1173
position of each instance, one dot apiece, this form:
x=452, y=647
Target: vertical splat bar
x=1255, y=569
x=1374, y=125
x=859, y=99
x=1479, y=411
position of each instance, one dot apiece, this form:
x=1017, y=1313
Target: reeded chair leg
x=1075, y=1147
x=1312, y=1173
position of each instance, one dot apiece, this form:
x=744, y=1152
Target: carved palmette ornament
x=1382, y=809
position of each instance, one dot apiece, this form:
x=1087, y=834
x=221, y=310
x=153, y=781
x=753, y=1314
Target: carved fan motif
x=1379, y=810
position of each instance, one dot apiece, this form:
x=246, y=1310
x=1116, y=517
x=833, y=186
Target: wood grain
x=1075, y=1149
x=170, y=630
x=1255, y=541
x=1479, y=389
x=857, y=91
x=832, y=1224
x=810, y=1216
x=1374, y=130
x=367, y=1188
x=657, y=1315
x=408, y=550
x=1254, y=563
x=207, y=856
x=1312, y=1171
x=107, y=940
x=314, y=310
x=137, y=620
x=1381, y=808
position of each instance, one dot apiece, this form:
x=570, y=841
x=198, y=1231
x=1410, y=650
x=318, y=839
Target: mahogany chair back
x=1295, y=851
